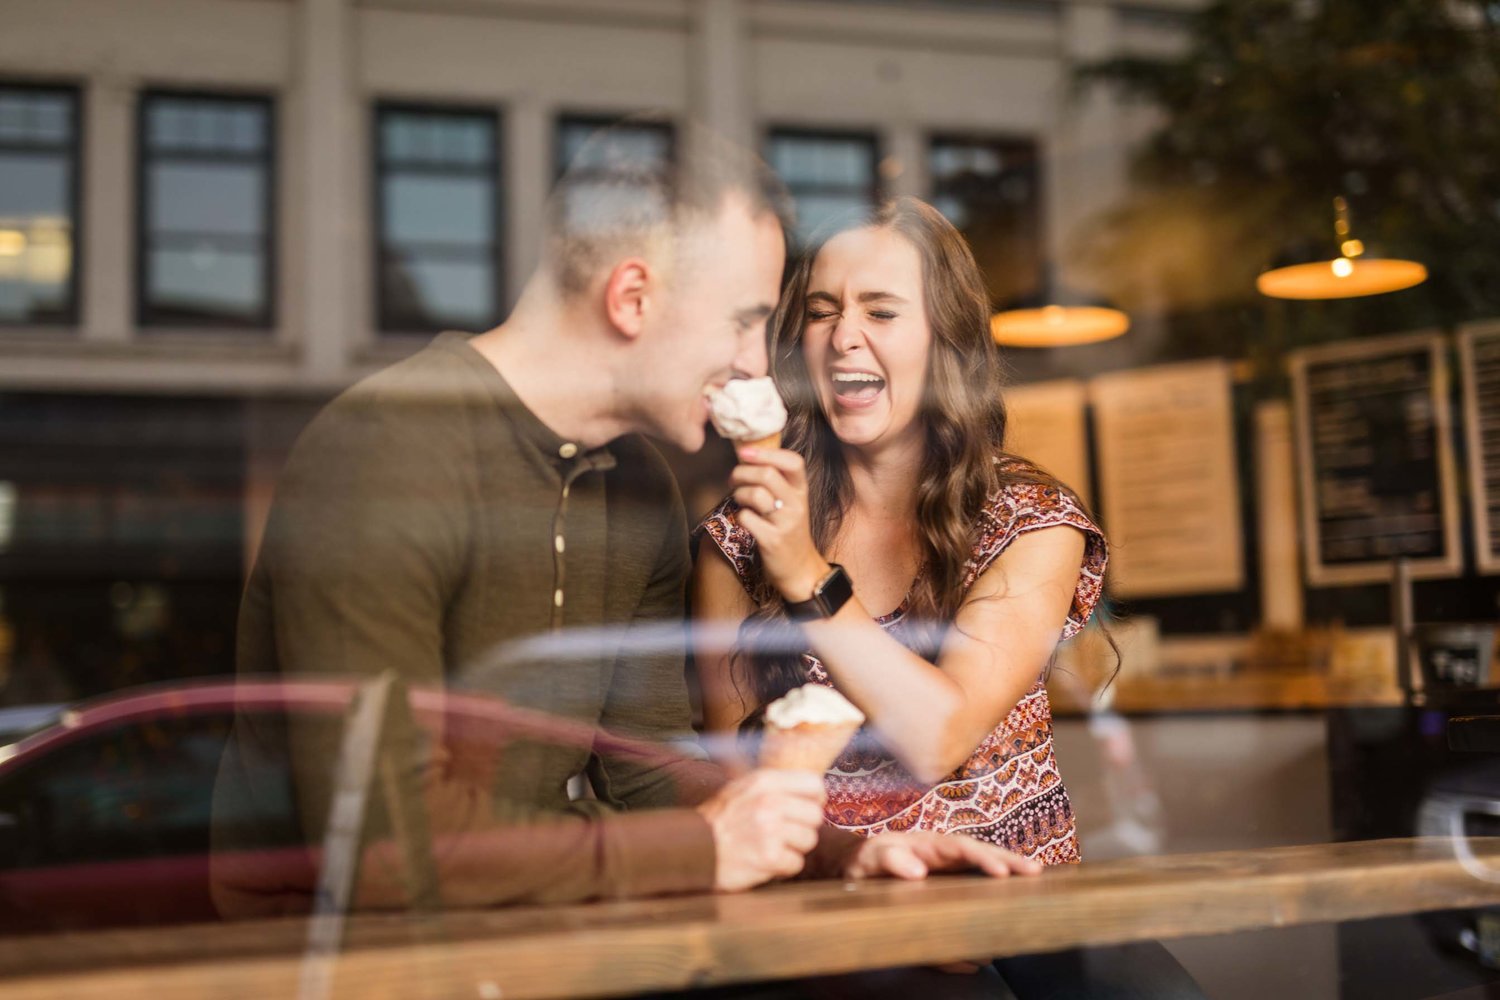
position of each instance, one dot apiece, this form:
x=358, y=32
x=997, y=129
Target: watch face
x=834, y=592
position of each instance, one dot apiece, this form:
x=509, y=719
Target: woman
x=894, y=470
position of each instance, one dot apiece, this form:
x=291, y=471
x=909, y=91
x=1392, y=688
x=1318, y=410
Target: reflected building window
x=206, y=205
x=38, y=204
x=437, y=219
x=990, y=189
x=644, y=143
x=831, y=175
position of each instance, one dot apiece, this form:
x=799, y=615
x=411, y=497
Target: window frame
x=595, y=120
x=870, y=136
x=70, y=315
x=1000, y=140
x=150, y=317
x=386, y=326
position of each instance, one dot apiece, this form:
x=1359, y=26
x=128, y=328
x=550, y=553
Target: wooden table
x=613, y=949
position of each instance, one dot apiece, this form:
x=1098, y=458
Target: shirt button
x=558, y=543
x=568, y=450
x=557, y=597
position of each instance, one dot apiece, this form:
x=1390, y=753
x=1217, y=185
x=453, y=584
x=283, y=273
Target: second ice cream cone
x=807, y=728
x=808, y=747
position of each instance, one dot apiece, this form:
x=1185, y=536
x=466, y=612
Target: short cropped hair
x=611, y=202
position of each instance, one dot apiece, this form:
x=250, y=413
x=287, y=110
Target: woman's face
x=866, y=338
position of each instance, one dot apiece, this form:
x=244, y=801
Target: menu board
x=1479, y=350
x=1046, y=423
x=1375, y=463
x=1168, y=480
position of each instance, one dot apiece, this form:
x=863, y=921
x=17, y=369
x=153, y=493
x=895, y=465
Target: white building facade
x=311, y=79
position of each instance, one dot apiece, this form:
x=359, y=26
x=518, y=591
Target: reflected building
x=215, y=215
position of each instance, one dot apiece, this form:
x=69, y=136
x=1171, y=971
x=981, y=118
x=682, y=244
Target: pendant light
x=1057, y=326
x=1349, y=275
x=1057, y=318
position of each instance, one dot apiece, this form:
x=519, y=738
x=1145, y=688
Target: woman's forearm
x=920, y=712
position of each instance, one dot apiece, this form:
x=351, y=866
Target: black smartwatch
x=829, y=594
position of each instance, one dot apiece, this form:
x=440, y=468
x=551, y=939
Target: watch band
x=830, y=594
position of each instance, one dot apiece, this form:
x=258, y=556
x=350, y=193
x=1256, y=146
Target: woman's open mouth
x=857, y=389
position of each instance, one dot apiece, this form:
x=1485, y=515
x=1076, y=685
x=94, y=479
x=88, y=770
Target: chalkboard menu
x=1375, y=461
x=1479, y=347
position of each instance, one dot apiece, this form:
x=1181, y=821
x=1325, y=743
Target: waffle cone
x=805, y=748
x=769, y=441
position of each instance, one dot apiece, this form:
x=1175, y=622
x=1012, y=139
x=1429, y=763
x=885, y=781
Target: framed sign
x=1479, y=354
x=1375, y=462
x=1168, y=479
x=1046, y=423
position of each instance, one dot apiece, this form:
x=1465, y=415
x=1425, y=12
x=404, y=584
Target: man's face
x=710, y=323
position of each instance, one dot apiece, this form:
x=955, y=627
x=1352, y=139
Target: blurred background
x=1283, y=218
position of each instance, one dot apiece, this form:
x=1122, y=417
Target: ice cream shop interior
x=1242, y=261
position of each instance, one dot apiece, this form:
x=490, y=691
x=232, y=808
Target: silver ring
x=778, y=504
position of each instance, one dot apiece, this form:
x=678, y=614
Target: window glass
x=437, y=219
x=38, y=204
x=206, y=211
x=830, y=175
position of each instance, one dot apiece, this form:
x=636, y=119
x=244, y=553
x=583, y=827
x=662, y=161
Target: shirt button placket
x=559, y=527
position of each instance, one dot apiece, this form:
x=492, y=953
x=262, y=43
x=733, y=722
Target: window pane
x=206, y=211
x=205, y=125
x=35, y=118
x=989, y=190
x=647, y=145
x=427, y=293
x=206, y=282
x=815, y=211
x=34, y=184
x=829, y=176
x=438, y=237
x=811, y=160
x=145, y=790
x=415, y=138
x=448, y=210
x=37, y=172
x=214, y=198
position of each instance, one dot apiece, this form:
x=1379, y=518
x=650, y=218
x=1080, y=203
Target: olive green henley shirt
x=429, y=524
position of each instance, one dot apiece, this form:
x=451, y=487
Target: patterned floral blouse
x=1009, y=792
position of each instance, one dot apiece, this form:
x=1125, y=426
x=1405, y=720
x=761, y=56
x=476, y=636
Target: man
x=492, y=490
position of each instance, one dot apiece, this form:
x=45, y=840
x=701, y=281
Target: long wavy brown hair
x=963, y=413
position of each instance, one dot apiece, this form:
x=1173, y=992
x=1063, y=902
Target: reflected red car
x=105, y=816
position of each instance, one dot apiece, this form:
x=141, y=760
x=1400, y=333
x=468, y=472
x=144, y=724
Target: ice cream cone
x=808, y=747
x=769, y=441
x=807, y=728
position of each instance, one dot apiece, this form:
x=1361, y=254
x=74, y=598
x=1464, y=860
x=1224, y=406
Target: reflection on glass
x=646, y=143
x=990, y=190
x=206, y=211
x=830, y=175
x=437, y=220
x=38, y=172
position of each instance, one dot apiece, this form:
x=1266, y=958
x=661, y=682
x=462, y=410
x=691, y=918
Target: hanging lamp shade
x=1057, y=326
x=1349, y=275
